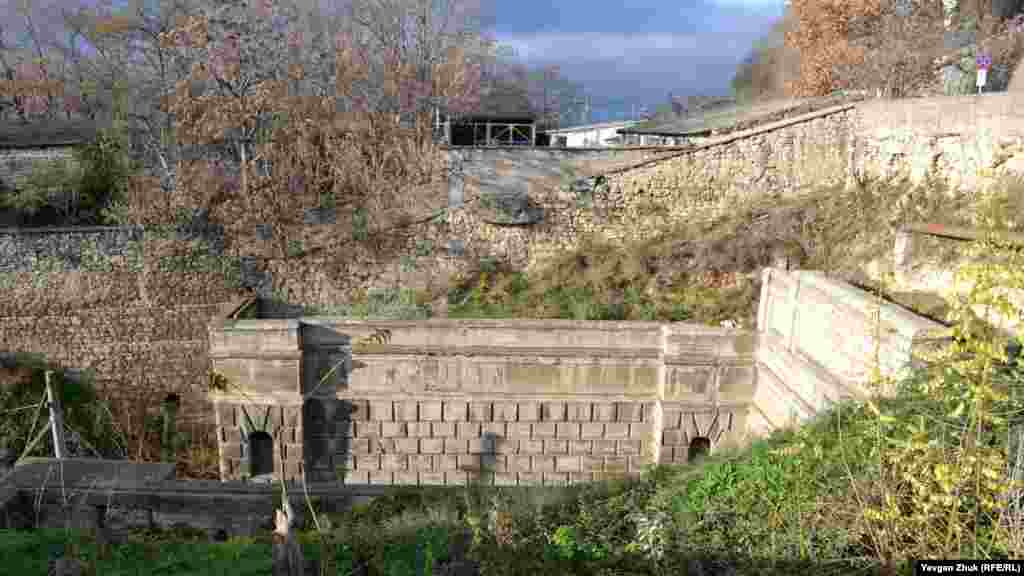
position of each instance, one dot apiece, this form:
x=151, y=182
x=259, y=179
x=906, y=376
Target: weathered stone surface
x=142, y=325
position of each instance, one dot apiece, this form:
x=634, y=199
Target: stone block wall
x=512, y=402
x=16, y=164
x=819, y=341
x=520, y=402
x=646, y=190
x=97, y=299
x=452, y=442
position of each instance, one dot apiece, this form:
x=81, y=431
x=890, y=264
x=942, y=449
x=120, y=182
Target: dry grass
x=139, y=425
x=708, y=271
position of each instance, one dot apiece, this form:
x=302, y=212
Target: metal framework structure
x=486, y=130
x=489, y=133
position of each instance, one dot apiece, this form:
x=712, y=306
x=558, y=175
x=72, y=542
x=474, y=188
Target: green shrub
x=84, y=190
x=105, y=170
x=390, y=303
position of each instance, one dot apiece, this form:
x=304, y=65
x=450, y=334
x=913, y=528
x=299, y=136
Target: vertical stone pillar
x=261, y=366
x=658, y=423
x=903, y=254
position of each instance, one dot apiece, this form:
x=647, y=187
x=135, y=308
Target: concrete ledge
x=498, y=333
x=838, y=327
x=32, y=473
x=373, y=351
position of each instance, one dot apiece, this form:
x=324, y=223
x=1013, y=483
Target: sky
x=636, y=51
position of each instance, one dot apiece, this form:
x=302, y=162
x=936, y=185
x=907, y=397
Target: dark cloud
x=641, y=16
x=637, y=51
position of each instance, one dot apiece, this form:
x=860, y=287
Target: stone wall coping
x=67, y=230
x=413, y=351
x=511, y=324
x=740, y=135
x=575, y=397
x=276, y=398
x=903, y=321
x=226, y=354
x=674, y=328
x=254, y=325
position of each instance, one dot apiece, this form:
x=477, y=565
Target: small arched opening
x=699, y=447
x=261, y=454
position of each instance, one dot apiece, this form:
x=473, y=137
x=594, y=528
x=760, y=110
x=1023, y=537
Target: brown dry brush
x=898, y=46
x=892, y=46
x=366, y=150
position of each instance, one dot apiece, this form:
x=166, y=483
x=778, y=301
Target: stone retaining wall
x=819, y=340
x=524, y=402
x=17, y=164
x=95, y=298
x=512, y=402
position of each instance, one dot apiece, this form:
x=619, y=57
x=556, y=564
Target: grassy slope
x=708, y=271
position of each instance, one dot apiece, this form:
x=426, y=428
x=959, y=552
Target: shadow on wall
x=261, y=455
x=700, y=446
x=328, y=440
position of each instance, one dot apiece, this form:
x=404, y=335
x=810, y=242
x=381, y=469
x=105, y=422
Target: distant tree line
x=193, y=95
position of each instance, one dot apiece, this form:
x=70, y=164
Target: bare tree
x=274, y=143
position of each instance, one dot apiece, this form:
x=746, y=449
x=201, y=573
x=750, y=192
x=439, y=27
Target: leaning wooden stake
x=56, y=418
x=288, y=560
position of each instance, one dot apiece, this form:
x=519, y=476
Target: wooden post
x=168, y=439
x=287, y=554
x=56, y=418
x=102, y=532
x=533, y=134
x=488, y=134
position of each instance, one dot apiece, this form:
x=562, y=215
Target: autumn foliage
x=821, y=36
x=886, y=46
x=266, y=145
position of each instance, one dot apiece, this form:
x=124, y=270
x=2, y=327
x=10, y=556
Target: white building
x=589, y=136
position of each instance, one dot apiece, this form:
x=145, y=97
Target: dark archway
x=699, y=447
x=261, y=454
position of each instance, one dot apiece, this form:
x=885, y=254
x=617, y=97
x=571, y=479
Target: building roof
x=739, y=117
x=46, y=133
x=588, y=127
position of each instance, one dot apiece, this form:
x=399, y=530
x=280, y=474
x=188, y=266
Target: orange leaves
x=257, y=153
x=821, y=35
x=192, y=32
x=114, y=24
